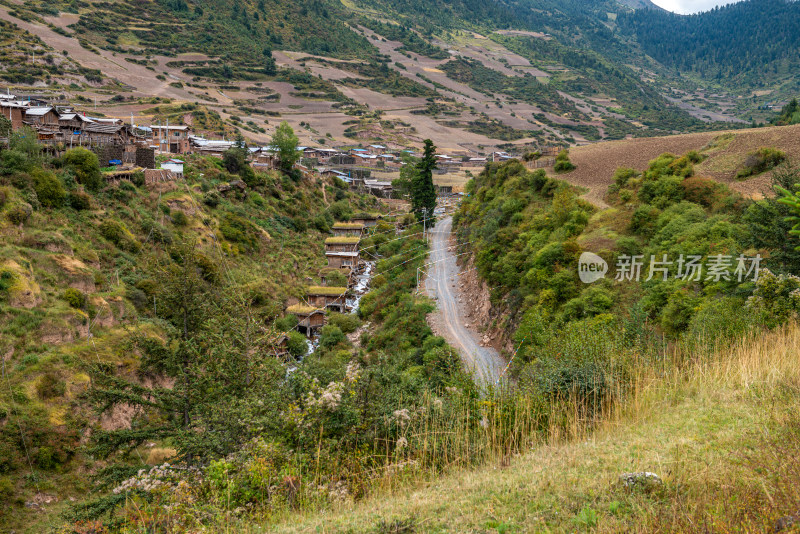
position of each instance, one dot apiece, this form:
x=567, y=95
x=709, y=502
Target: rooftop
x=343, y=240
x=348, y=225
x=302, y=309
x=325, y=290
x=340, y=253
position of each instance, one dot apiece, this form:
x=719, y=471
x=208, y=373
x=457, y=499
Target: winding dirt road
x=441, y=284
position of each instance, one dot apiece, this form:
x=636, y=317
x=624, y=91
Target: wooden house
x=332, y=298
x=42, y=117
x=342, y=244
x=367, y=220
x=342, y=260
x=71, y=123
x=348, y=229
x=332, y=276
x=309, y=318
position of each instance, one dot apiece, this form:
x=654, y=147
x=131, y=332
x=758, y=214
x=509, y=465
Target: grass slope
x=715, y=431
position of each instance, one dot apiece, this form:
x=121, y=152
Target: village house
x=330, y=276
x=379, y=188
x=367, y=220
x=347, y=229
x=377, y=149
x=172, y=139
x=13, y=111
x=342, y=260
x=309, y=318
x=175, y=166
x=42, y=117
x=342, y=244
x=71, y=123
x=327, y=173
x=475, y=162
x=332, y=298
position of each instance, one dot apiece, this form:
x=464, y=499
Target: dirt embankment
x=478, y=309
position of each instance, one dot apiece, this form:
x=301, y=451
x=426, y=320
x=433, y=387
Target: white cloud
x=690, y=6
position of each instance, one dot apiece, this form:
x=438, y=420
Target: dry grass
x=719, y=430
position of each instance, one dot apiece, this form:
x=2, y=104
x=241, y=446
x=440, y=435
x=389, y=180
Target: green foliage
x=74, y=297
x=19, y=214
x=563, y=164
x=117, y=233
x=423, y=192
x=49, y=189
x=762, y=160
x=85, y=166
x=790, y=114
x=50, y=386
x=346, y=322
x=286, y=143
x=80, y=201
x=296, y=344
x=776, y=299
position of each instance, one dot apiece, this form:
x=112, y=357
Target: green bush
x=74, y=297
x=49, y=189
x=179, y=218
x=19, y=214
x=297, y=344
x=80, y=201
x=212, y=199
x=347, y=322
x=86, y=167
x=116, y=232
x=331, y=336
x=762, y=160
x=50, y=386
x=563, y=164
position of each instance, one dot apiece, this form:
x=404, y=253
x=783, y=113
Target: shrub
x=3, y=197
x=50, y=386
x=74, y=297
x=563, y=164
x=116, y=232
x=331, y=336
x=297, y=344
x=80, y=201
x=212, y=199
x=347, y=323
x=762, y=160
x=49, y=189
x=19, y=214
x=179, y=218
x=622, y=175
x=86, y=166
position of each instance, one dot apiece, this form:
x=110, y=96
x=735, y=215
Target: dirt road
x=450, y=318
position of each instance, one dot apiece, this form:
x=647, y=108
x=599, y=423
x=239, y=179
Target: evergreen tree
x=423, y=192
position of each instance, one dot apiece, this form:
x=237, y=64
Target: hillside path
x=450, y=317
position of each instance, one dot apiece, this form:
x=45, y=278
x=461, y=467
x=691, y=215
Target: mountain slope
x=708, y=434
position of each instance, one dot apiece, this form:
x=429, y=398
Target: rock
x=644, y=479
x=787, y=522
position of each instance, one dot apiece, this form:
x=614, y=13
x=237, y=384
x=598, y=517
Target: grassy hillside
x=84, y=268
x=719, y=431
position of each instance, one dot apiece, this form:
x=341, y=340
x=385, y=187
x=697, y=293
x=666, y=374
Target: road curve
x=442, y=285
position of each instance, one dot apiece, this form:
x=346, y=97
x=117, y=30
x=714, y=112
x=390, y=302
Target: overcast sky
x=690, y=6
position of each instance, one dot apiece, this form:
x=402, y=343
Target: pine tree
x=423, y=192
